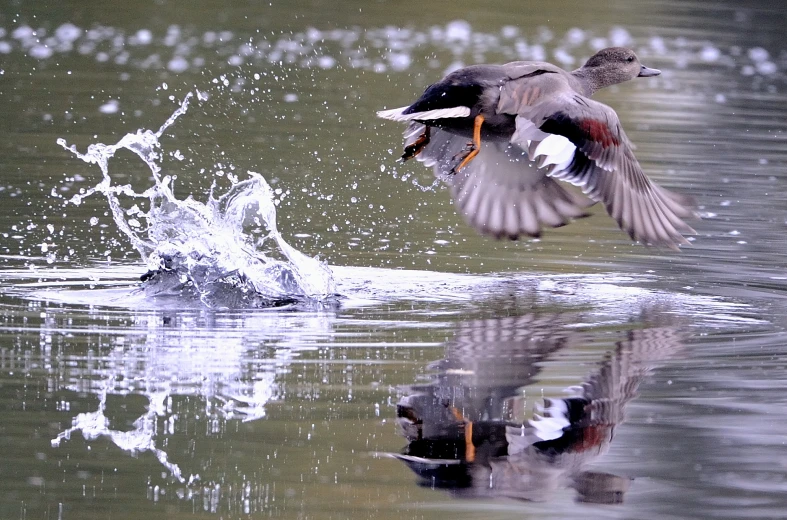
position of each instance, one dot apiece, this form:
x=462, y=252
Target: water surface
x=119, y=402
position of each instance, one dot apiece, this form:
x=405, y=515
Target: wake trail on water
x=202, y=249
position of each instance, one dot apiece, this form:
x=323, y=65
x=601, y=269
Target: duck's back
x=478, y=86
x=461, y=88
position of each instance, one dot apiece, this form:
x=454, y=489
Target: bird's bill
x=646, y=72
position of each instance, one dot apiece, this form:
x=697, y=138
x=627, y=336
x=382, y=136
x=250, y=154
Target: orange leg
x=416, y=147
x=474, y=146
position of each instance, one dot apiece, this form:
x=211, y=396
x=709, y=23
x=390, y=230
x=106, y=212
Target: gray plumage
x=538, y=125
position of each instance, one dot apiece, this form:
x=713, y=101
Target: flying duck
x=503, y=135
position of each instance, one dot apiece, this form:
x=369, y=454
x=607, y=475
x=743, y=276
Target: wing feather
x=501, y=192
x=603, y=164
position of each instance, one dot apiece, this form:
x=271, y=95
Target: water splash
x=203, y=249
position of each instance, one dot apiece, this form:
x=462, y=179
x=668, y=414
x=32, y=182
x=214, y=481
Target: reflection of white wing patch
x=550, y=426
x=395, y=114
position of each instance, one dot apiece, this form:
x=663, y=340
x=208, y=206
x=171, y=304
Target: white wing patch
x=542, y=147
x=395, y=114
x=555, y=149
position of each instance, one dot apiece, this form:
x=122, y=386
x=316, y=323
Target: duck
x=506, y=138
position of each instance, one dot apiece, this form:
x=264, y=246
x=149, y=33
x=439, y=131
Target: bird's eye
x=630, y=59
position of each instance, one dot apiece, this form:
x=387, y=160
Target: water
x=295, y=321
x=203, y=250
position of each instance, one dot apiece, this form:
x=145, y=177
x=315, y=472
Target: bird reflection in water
x=462, y=427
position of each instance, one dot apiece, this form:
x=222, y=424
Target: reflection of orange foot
x=411, y=150
x=469, y=446
x=456, y=413
x=472, y=148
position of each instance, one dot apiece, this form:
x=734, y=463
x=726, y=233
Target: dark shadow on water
x=465, y=429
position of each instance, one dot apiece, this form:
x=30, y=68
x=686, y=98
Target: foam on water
x=201, y=249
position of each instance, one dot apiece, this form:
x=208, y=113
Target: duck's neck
x=590, y=83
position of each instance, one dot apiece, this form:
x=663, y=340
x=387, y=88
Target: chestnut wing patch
x=579, y=130
x=603, y=166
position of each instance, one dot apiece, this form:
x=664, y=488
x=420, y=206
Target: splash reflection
x=190, y=385
x=466, y=427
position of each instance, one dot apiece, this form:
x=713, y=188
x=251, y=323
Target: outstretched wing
x=500, y=192
x=583, y=143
